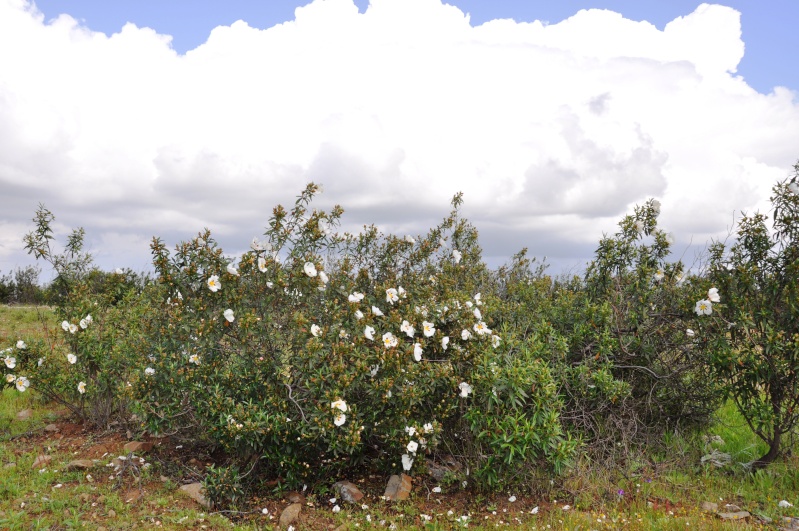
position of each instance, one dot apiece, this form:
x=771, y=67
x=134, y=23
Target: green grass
x=23, y=322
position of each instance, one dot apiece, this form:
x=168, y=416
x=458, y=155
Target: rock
x=25, y=414
x=79, y=464
x=398, y=488
x=295, y=497
x=52, y=428
x=41, y=460
x=716, y=458
x=789, y=523
x=738, y=515
x=348, y=491
x=112, y=513
x=164, y=479
x=290, y=514
x=132, y=495
x=713, y=440
x=730, y=508
x=137, y=447
x=709, y=507
x=195, y=492
x=449, y=465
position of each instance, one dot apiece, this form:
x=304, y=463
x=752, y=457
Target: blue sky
x=768, y=27
x=553, y=130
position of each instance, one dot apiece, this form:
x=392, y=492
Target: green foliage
x=337, y=350
x=83, y=364
x=755, y=342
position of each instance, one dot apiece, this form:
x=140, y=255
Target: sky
x=135, y=119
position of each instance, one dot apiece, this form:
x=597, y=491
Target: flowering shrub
x=83, y=364
x=754, y=345
x=616, y=340
x=314, y=351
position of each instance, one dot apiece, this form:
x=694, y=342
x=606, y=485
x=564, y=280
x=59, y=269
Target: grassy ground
x=663, y=489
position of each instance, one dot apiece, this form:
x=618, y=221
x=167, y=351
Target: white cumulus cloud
x=551, y=131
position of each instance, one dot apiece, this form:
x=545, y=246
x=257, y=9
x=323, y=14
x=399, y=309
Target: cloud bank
x=551, y=131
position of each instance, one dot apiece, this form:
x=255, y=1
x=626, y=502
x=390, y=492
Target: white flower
x=703, y=307
x=373, y=370
x=21, y=345
x=477, y=313
x=10, y=378
x=401, y=291
x=512, y=499
x=639, y=227
x=376, y=311
x=407, y=328
x=428, y=427
x=567, y=507
x=213, y=283
x=534, y=510
x=456, y=256
x=340, y=419
x=413, y=446
x=343, y=334
x=71, y=358
x=793, y=187
x=713, y=295
x=341, y=405
x=465, y=334
x=264, y=511
x=477, y=299
x=358, y=314
x=355, y=297
x=679, y=279
x=389, y=340
x=40, y=362
x=82, y=387
x=229, y=315
x=690, y=333
x=262, y=264
x=22, y=383
x=391, y=296
x=670, y=238
x=417, y=352
x=118, y=271
x=270, y=285
x=10, y=362
x=410, y=430
x=481, y=328
x=315, y=330
x=656, y=206
x=310, y=269
x=659, y=274
x=495, y=341
x=436, y=490
x=465, y=388
x=65, y=326
x=409, y=238
x=255, y=245
x=428, y=329
x=149, y=371
x=407, y=462
x=444, y=342
x=323, y=277
x=232, y=270
x=369, y=332
x=73, y=328
x=784, y=504
x=336, y=508
x=195, y=359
